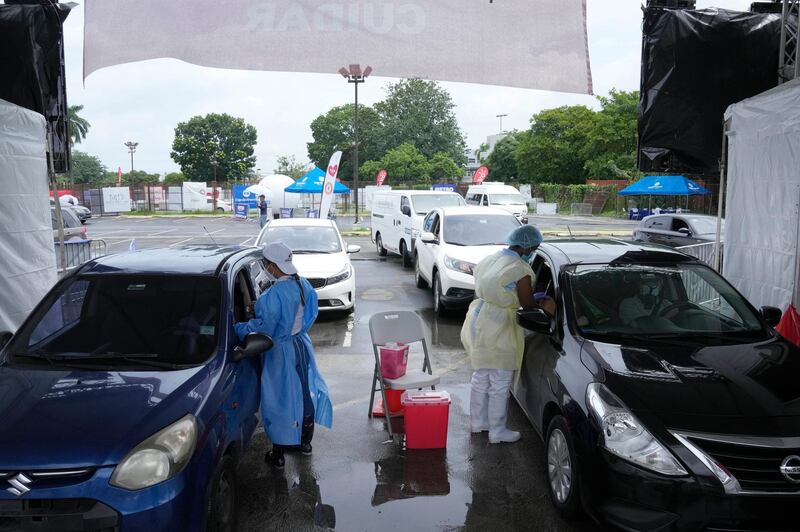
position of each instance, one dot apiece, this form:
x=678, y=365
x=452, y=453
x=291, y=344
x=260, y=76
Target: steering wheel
x=676, y=306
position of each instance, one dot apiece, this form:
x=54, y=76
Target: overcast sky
x=145, y=101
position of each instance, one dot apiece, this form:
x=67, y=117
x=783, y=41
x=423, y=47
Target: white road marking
x=248, y=240
x=348, y=336
x=181, y=242
x=164, y=232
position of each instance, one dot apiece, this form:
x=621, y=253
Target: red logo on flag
x=480, y=175
x=328, y=188
x=333, y=169
x=381, y=177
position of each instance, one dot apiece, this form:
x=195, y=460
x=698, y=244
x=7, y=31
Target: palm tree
x=78, y=127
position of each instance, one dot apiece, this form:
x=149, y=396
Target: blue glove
x=540, y=296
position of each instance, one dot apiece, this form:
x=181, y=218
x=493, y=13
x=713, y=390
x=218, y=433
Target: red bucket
x=394, y=360
x=426, y=418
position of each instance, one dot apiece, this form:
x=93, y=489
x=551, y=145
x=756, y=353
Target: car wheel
x=563, y=474
x=222, y=503
x=379, y=245
x=406, y=256
x=220, y=209
x=438, y=308
x=421, y=282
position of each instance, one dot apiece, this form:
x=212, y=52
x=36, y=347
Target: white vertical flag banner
x=536, y=44
x=329, y=185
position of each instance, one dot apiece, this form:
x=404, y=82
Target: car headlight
x=626, y=436
x=339, y=277
x=159, y=458
x=459, y=265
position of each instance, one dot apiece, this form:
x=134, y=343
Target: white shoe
x=498, y=412
x=478, y=411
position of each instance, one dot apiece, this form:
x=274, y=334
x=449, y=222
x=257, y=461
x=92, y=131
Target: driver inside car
x=643, y=298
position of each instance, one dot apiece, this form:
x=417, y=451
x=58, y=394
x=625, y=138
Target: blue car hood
x=70, y=419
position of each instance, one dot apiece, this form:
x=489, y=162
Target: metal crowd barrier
x=77, y=253
x=705, y=252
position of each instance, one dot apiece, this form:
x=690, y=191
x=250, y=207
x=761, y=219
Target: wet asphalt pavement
x=356, y=480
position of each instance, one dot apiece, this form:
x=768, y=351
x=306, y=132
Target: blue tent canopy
x=663, y=185
x=312, y=183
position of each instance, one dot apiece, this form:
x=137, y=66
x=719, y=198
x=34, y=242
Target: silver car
x=677, y=230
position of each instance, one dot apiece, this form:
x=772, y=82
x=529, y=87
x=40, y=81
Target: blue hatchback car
x=125, y=398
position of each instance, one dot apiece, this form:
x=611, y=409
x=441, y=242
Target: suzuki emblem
x=19, y=485
x=790, y=467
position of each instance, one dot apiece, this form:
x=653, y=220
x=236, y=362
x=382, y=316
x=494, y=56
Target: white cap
x=280, y=254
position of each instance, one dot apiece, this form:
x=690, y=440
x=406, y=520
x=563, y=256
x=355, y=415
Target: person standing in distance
x=293, y=393
x=262, y=210
x=491, y=336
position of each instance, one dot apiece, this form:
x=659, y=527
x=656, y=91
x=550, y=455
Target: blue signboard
x=241, y=210
x=445, y=188
x=246, y=198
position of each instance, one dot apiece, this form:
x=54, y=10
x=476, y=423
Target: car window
x=678, y=224
x=428, y=223
x=404, y=203
x=660, y=222
x=166, y=319
x=478, y=230
x=486, y=201
x=705, y=226
x=425, y=203
x=683, y=300
x=259, y=276
x=507, y=199
x=303, y=238
x=473, y=199
x=435, y=224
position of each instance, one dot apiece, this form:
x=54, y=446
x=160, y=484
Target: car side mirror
x=685, y=231
x=254, y=344
x=771, y=315
x=405, y=209
x=353, y=248
x=536, y=320
x=5, y=337
x=427, y=237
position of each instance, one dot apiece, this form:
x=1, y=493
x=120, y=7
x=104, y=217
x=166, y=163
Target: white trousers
x=493, y=382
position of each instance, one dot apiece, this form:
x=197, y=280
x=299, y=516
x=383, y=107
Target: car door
x=680, y=233
x=241, y=379
x=426, y=250
x=657, y=229
x=537, y=380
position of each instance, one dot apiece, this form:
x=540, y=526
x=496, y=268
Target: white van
x=397, y=218
x=501, y=196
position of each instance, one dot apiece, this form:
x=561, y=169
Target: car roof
x=300, y=222
x=418, y=192
x=192, y=260
x=469, y=209
x=680, y=215
x=604, y=251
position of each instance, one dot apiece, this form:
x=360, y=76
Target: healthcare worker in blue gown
x=293, y=393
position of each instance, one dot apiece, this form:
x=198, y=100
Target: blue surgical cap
x=525, y=236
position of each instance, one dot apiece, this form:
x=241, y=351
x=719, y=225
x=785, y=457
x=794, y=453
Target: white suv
x=453, y=241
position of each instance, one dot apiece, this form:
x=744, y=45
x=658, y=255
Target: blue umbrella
x=312, y=183
x=664, y=185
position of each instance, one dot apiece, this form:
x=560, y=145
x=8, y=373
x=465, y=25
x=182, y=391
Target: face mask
x=527, y=258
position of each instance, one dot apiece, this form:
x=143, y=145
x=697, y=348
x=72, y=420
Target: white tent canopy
x=763, y=196
x=27, y=253
x=536, y=44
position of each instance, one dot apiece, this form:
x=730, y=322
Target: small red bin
x=426, y=417
x=394, y=360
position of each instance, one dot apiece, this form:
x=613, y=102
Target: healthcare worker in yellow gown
x=491, y=336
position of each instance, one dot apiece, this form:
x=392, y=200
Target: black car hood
x=685, y=385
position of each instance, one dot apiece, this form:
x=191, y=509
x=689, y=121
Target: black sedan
x=665, y=400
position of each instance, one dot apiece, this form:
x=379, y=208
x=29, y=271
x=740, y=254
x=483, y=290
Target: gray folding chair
x=402, y=327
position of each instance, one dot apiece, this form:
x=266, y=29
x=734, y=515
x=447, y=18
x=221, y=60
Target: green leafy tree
x=174, y=178
x=404, y=164
x=555, y=148
x=78, y=127
x=420, y=113
x=87, y=169
x=369, y=171
x=444, y=169
x=335, y=131
x=289, y=166
x=221, y=138
x=611, y=153
x=502, y=162
x=136, y=178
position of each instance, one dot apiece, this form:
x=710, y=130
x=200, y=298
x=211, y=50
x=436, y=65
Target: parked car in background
x=500, y=196
x=82, y=213
x=453, y=241
x=665, y=400
x=222, y=205
x=320, y=255
x=397, y=218
x=125, y=402
x=73, y=228
x=677, y=230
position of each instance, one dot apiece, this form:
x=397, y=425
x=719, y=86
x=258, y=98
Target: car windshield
x=478, y=230
x=646, y=301
x=705, y=226
x=424, y=204
x=507, y=199
x=114, y=319
x=304, y=239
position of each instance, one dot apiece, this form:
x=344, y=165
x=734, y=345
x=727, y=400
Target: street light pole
x=132, y=149
x=355, y=76
x=501, y=121
x=214, y=164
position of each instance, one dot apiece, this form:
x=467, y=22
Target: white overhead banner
x=117, y=199
x=536, y=44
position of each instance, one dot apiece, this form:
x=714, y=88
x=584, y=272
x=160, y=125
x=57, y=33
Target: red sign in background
x=381, y=177
x=480, y=175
